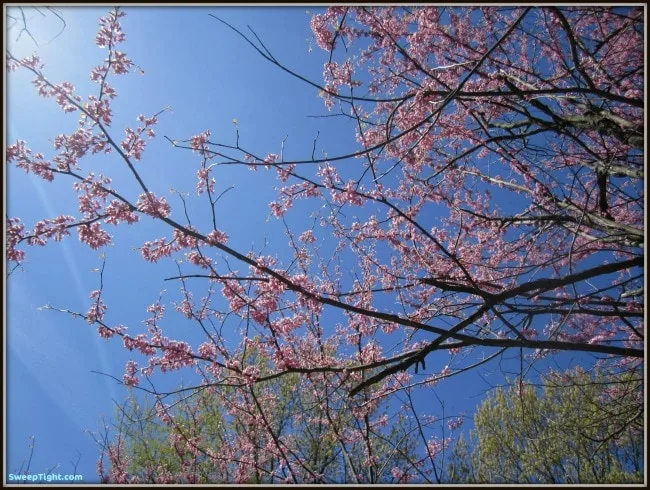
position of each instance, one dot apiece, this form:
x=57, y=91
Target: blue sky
x=209, y=77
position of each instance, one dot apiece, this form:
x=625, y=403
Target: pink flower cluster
x=92, y=195
x=157, y=249
x=290, y=193
x=286, y=325
x=371, y=352
x=120, y=63
x=99, y=111
x=107, y=333
x=157, y=311
x=320, y=25
x=93, y=235
x=75, y=146
x=307, y=237
x=186, y=306
x=32, y=62
x=455, y=423
x=97, y=310
x=140, y=343
x=208, y=350
x=401, y=476
x=349, y=195
x=130, y=378
x=329, y=175
x=15, y=234
x=55, y=228
x=199, y=259
x=205, y=182
x=176, y=355
x=216, y=236
x=21, y=155
x=119, y=462
x=340, y=74
x=199, y=142
x=162, y=411
x=110, y=30
x=64, y=96
x=118, y=211
x=149, y=204
x=284, y=172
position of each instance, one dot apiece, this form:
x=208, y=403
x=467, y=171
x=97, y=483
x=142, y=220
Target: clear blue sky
x=209, y=76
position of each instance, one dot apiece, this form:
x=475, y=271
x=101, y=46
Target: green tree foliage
x=580, y=428
x=210, y=435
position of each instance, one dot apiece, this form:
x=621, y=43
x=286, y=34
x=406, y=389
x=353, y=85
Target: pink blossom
x=185, y=240
x=141, y=343
x=104, y=332
x=33, y=62
x=307, y=237
x=156, y=250
x=93, y=236
x=157, y=310
x=251, y=373
x=329, y=174
x=101, y=111
x=340, y=74
x=186, y=306
x=278, y=209
x=199, y=259
x=208, y=350
x=63, y=92
x=235, y=294
x=454, y=351
x=92, y=194
x=371, y=352
x=217, y=236
x=199, y=141
x=119, y=211
x=56, y=228
x=320, y=27
x=100, y=467
x=455, y=423
x=22, y=155
x=148, y=203
x=133, y=144
x=435, y=446
x=130, y=378
x=176, y=355
x=97, y=310
x=204, y=183
x=286, y=325
x=401, y=476
x=121, y=64
x=110, y=30
x=349, y=195
x=271, y=158
x=14, y=233
x=284, y=172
